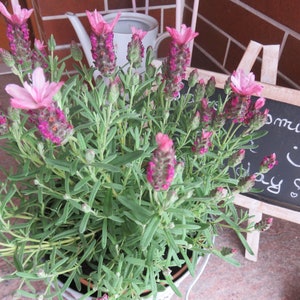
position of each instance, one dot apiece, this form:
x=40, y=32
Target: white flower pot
x=167, y=294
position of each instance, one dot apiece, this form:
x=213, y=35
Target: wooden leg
x=253, y=237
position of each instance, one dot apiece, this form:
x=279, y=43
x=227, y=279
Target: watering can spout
x=82, y=36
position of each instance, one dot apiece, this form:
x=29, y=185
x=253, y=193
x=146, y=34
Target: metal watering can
x=122, y=34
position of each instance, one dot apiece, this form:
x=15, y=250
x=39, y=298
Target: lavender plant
x=126, y=174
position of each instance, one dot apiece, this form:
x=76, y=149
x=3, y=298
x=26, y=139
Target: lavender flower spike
x=174, y=67
x=17, y=31
x=161, y=169
x=135, y=52
x=102, y=42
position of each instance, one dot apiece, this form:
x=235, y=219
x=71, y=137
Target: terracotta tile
x=289, y=62
x=199, y=60
x=282, y=11
x=57, y=7
x=169, y=18
x=240, y=24
x=63, y=36
x=235, y=55
x=211, y=40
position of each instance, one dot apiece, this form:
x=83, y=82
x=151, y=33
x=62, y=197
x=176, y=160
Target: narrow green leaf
x=26, y=294
x=94, y=192
x=81, y=184
x=127, y=158
x=150, y=230
x=104, y=234
x=58, y=164
x=84, y=222
x=107, y=167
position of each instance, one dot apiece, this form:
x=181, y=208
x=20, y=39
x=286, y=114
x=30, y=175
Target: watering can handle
x=82, y=35
x=158, y=41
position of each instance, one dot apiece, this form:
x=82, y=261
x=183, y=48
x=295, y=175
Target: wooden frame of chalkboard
x=268, y=206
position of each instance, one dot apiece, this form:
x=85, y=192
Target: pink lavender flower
x=18, y=32
x=135, y=50
x=52, y=124
x=237, y=108
x=3, y=124
x=207, y=113
x=102, y=42
x=202, y=144
x=19, y=16
x=161, y=169
x=38, y=94
x=268, y=163
x=254, y=117
x=39, y=55
x=99, y=25
x=184, y=36
x=174, y=67
x=243, y=84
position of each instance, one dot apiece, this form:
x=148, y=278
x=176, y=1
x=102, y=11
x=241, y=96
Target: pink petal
x=4, y=11
x=20, y=97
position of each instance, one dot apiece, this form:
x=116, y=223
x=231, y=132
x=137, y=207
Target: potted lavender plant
x=126, y=174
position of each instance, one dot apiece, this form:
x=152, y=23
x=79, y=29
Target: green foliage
x=88, y=200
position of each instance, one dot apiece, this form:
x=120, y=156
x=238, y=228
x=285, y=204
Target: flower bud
x=258, y=120
x=268, y=163
x=247, y=183
x=236, y=158
x=135, y=79
x=76, y=51
x=41, y=273
x=90, y=156
x=196, y=121
x=202, y=144
x=150, y=70
x=227, y=87
x=86, y=208
x=113, y=91
x=193, y=78
x=199, y=90
x=172, y=197
x=226, y=251
x=7, y=58
x=264, y=224
x=67, y=197
x=51, y=43
x=210, y=86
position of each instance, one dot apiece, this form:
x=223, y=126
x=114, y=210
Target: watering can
x=122, y=34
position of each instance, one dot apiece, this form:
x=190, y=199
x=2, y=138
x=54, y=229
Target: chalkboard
x=281, y=185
